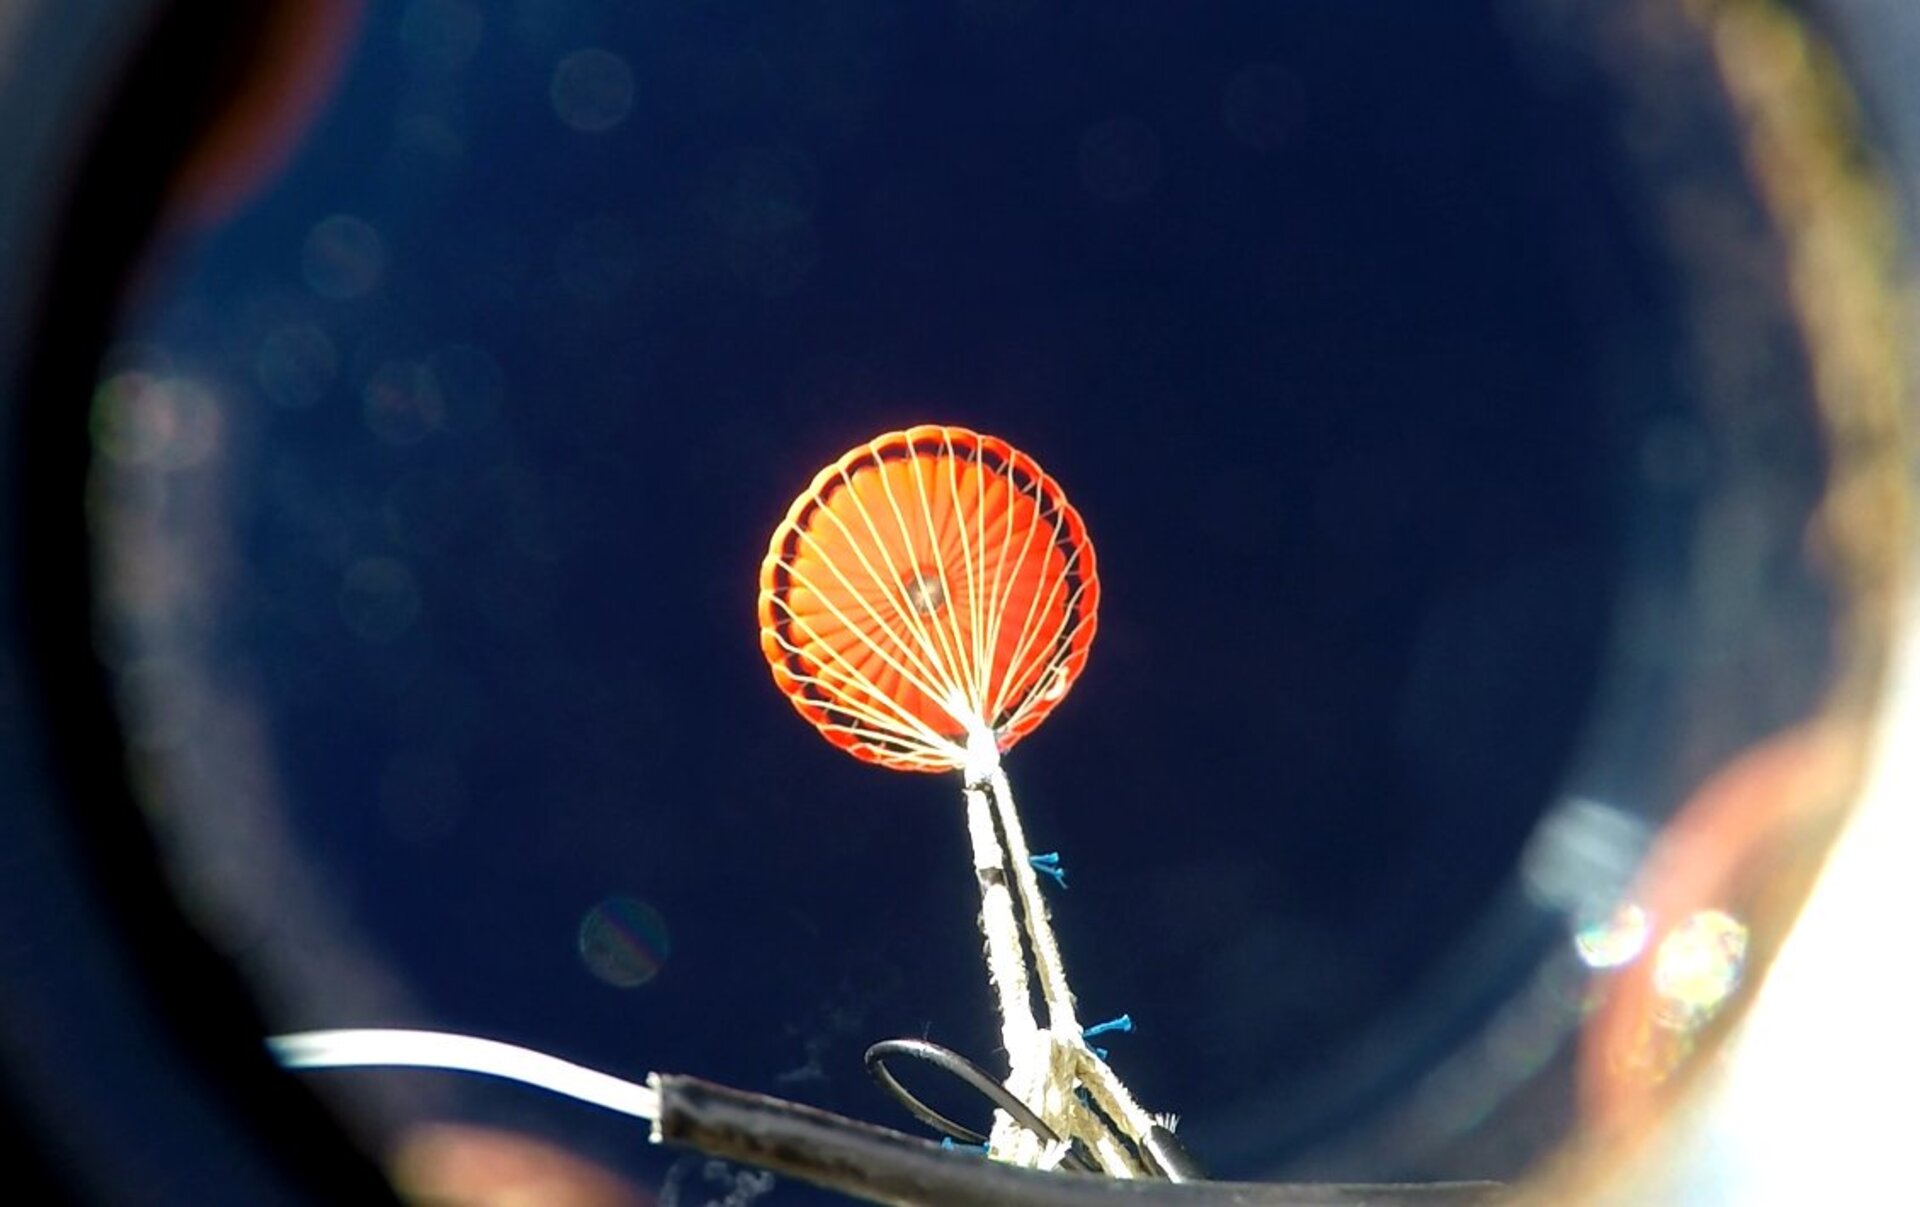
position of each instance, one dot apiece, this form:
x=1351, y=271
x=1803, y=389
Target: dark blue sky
x=1321, y=313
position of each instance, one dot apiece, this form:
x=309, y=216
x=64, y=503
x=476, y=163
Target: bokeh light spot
x=1119, y=160
x=777, y=261
x=1698, y=966
x=402, y=402
x=592, y=90
x=296, y=365
x=154, y=422
x=624, y=942
x=441, y=35
x=1581, y=856
x=378, y=598
x=1261, y=105
x=343, y=258
x=597, y=260
x=762, y=199
x=1613, y=939
x=471, y=386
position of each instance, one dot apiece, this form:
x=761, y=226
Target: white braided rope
x=1047, y=1066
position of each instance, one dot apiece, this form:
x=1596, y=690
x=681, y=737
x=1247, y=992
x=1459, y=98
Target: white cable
x=390, y=1047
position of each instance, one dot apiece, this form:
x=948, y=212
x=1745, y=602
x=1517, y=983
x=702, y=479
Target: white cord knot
x=982, y=756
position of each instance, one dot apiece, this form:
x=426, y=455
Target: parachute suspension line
x=895, y=718
x=926, y=671
x=972, y=539
x=1006, y=962
x=951, y=651
x=1029, y=1049
x=927, y=637
x=1039, y=928
x=1008, y=572
x=1052, y=1069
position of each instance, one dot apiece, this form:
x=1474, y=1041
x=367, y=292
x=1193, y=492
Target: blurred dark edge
x=133, y=1069
x=130, y=1067
x=1877, y=43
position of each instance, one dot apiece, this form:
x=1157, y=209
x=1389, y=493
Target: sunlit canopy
x=929, y=585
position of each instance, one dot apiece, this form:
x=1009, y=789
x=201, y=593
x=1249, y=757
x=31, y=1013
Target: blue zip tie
x=1123, y=1023
x=947, y=1143
x=1100, y=1052
x=1049, y=865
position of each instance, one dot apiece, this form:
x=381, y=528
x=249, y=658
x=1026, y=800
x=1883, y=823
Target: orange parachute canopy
x=930, y=586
